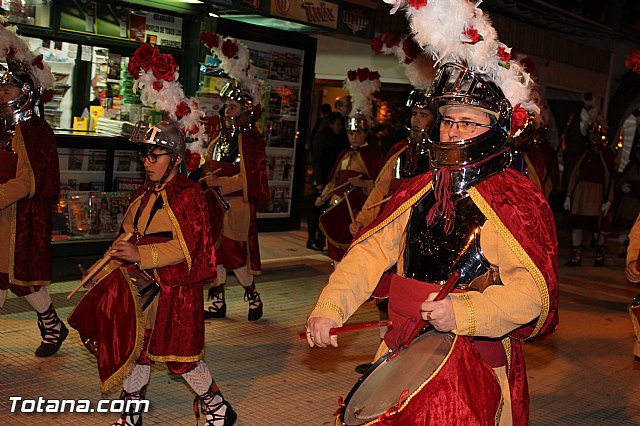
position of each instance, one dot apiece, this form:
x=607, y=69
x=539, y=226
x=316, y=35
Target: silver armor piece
x=464, y=178
x=232, y=126
x=356, y=122
x=20, y=108
x=226, y=150
x=432, y=256
x=415, y=159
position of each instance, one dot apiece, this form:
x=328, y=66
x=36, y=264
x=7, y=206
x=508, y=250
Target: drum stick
x=384, y=200
x=444, y=291
x=352, y=328
x=91, y=273
x=353, y=217
x=215, y=172
x=342, y=185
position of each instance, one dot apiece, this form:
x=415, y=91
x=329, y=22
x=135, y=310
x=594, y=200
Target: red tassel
x=340, y=407
x=443, y=207
x=391, y=412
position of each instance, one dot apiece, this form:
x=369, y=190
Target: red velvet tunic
x=109, y=319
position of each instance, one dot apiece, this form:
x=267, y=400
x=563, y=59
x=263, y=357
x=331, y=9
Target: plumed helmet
x=18, y=95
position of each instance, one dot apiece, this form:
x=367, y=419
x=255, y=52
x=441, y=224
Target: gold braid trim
x=176, y=226
x=117, y=377
x=4, y=199
x=472, y=320
x=520, y=253
x=154, y=256
x=403, y=207
x=177, y=358
x=323, y=304
x=506, y=343
x=499, y=410
x=23, y=153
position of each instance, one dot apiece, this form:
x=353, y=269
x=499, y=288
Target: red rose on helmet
x=193, y=161
x=209, y=39
x=374, y=75
x=392, y=38
x=11, y=52
x=411, y=50
x=376, y=45
x=229, y=49
x=418, y=3
x=182, y=109
x=471, y=35
x=158, y=85
x=363, y=74
x=504, y=54
x=633, y=61
x=519, y=118
x=37, y=62
x=163, y=66
x=352, y=75
x=134, y=69
x=143, y=56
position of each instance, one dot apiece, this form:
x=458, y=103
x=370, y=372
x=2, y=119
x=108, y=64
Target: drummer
x=354, y=172
x=477, y=221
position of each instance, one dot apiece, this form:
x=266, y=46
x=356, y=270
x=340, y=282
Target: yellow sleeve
x=357, y=275
x=368, y=213
x=229, y=184
x=500, y=308
x=158, y=255
x=18, y=188
x=634, y=242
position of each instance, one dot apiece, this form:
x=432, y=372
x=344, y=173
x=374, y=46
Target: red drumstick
x=352, y=328
x=444, y=291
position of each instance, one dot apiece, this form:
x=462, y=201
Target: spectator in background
x=325, y=110
x=326, y=146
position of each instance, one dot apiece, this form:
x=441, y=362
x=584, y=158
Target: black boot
x=52, y=337
x=218, y=308
x=599, y=260
x=255, y=304
x=212, y=404
x=132, y=416
x=576, y=257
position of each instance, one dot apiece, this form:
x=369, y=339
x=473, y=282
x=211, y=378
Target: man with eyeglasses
x=171, y=241
x=471, y=215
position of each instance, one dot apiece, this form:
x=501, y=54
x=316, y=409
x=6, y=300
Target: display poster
x=163, y=30
x=78, y=15
x=315, y=12
x=357, y=20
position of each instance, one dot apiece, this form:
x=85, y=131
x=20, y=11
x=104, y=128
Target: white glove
x=567, y=204
x=605, y=208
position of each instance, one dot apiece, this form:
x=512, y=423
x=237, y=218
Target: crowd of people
x=436, y=229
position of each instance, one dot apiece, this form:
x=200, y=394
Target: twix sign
x=315, y=12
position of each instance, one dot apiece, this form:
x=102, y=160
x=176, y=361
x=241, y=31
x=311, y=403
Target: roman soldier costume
x=159, y=298
x=470, y=216
x=237, y=158
x=29, y=186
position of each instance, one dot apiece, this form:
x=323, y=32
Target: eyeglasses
x=152, y=158
x=463, y=126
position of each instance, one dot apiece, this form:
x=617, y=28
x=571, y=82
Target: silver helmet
x=357, y=121
x=478, y=157
x=231, y=126
x=19, y=94
x=165, y=135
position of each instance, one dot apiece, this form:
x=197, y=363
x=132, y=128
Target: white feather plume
x=361, y=93
x=447, y=30
x=10, y=41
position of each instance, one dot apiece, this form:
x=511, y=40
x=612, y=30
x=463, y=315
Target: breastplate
x=226, y=150
x=431, y=256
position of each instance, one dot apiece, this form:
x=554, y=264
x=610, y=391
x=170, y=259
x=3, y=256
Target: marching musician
x=172, y=242
x=29, y=187
x=236, y=164
x=356, y=168
x=632, y=273
x=472, y=215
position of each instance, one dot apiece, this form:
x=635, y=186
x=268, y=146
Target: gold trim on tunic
x=176, y=226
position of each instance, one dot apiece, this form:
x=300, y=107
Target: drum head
x=381, y=388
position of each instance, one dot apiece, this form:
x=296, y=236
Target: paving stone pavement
x=583, y=374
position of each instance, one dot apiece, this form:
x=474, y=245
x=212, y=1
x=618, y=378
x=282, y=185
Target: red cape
x=109, y=320
x=30, y=253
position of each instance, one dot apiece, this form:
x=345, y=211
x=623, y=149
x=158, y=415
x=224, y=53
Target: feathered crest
x=15, y=50
x=235, y=60
x=361, y=84
x=458, y=31
x=156, y=76
x=419, y=68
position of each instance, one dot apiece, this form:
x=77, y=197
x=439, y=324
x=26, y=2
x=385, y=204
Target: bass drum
x=394, y=378
x=335, y=221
